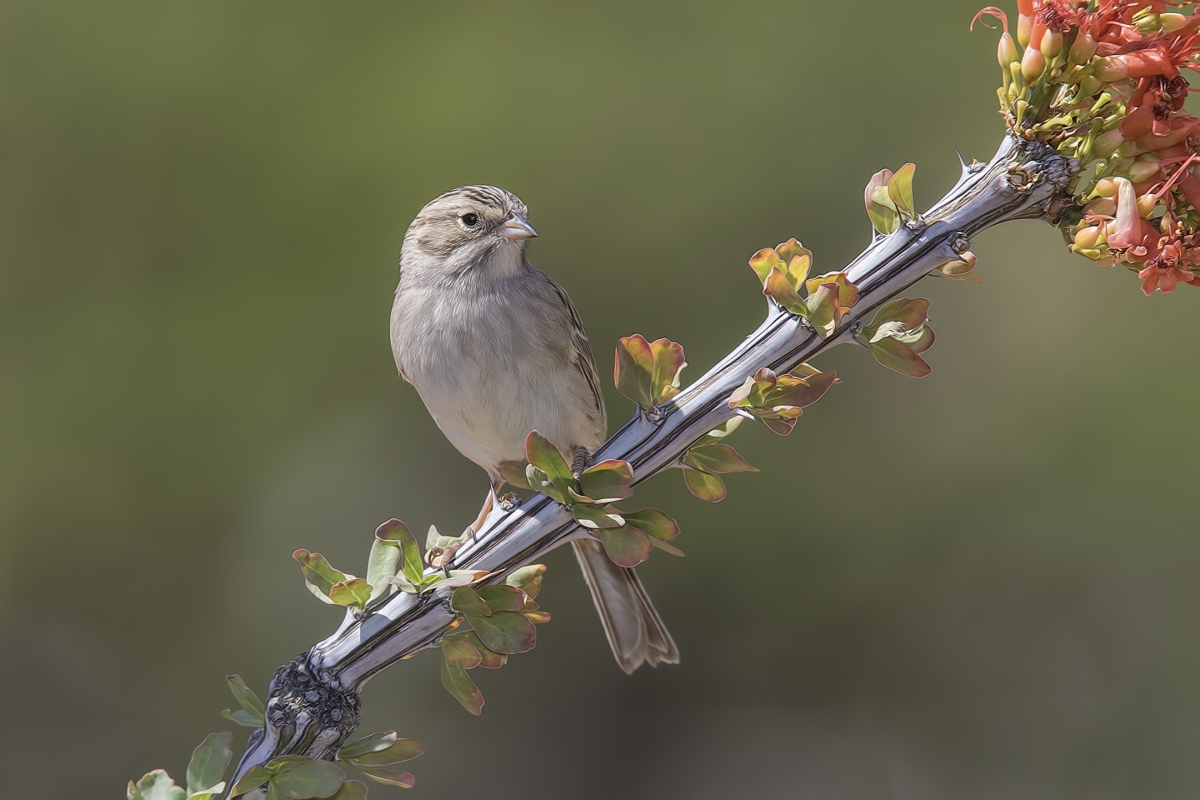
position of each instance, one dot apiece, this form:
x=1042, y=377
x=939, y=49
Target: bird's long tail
x=634, y=629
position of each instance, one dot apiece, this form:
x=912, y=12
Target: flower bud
x=1146, y=21
x=1111, y=68
x=1086, y=238
x=1143, y=171
x=1052, y=44
x=1089, y=86
x=1107, y=143
x=1173, y=22
x=1024, y=28
x=1082, y=49
x=1033, y=65
x=1006, y=51
x=1105, y=187
x=1145, y=205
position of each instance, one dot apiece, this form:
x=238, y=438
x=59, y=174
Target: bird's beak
x=517, y=228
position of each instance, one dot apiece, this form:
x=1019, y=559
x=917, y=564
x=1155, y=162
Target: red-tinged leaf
x=764, y=261
x=626, y=547
x=668, y=363
x=742, y=393
x=459, y=684
x=459, y=651
x=880, y=207
x=718, y=458
x=705, y=486
x=901, y=191
x=784, y=293
x=780, y=426
x=822, y=308
x=488, y=659
x=319, y=576
x=911, y=313
x=513, y=473
x=592, y=516
x=354, y=593
x=804, y=391
x=900, y=357
x=922, y=341
x=351, y=790
x=505, y=632
x=847, y=293
x=607, y=481
x=503, y=597
x=404, y=780
x=397, y=753
x=466, y=600
x=633, y=371
x=545, y=456
x=528, y=579
x=367, y=744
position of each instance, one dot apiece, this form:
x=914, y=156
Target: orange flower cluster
x=1104, y=82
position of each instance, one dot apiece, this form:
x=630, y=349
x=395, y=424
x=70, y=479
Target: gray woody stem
x=313, y=704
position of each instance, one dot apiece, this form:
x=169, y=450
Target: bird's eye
x=470, y=220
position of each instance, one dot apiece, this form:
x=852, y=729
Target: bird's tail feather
x=635, y=631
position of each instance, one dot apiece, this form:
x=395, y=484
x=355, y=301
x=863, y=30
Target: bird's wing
x=581, y=353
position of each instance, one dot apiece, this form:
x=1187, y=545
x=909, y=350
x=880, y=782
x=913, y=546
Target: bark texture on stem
x=1018, y=183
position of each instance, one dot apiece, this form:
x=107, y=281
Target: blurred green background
x=980, y=584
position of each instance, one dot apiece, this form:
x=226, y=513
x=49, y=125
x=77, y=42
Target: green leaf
x=243, y=717
x=367, y=744
x=460, y=651
x=132, y=792
x=626, y=546
x=592, y=516
x=717, y=434
x=528, y=579
x=718, y=458
x=255, y=776
x=400, y=751
x=633, y=371
x=157, y=785
x=900, y=190
x=668, y=363
x=208, y=793
x=319, y=576
x=394, y=545
x=505, y=632
x=351, y=790
x=461, y=687
x=606, y=482
x=208, y=763
x=246, y=698
x=545, y=456
x=310, y=779
x=705, y=486
x=392, y=777
x=457, y=577
x=353, y=593
x=466, y=600
x=503, y=597
x=880, y=207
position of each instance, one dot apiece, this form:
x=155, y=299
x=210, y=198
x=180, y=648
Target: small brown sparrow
x=496, y=349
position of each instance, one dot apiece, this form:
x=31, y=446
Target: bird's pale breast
x=492, y=363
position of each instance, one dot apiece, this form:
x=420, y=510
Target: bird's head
x=481, y=230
